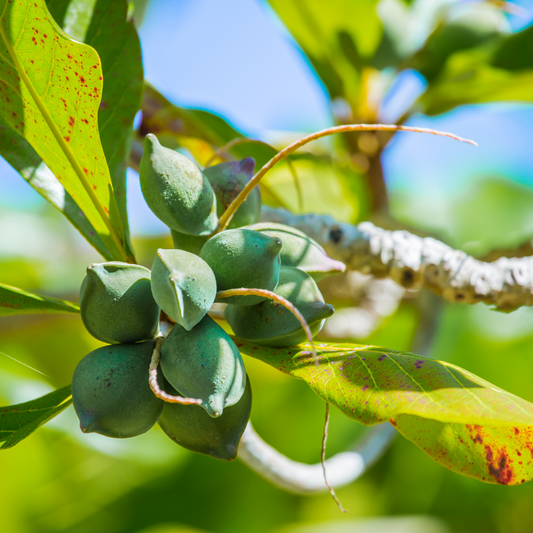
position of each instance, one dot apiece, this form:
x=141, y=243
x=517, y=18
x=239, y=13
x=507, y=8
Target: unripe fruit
x=204, y=363
x=228, y=180
x=271, y=324
x=176, y=191
x=183, y=285
x=111, y=394
x=116, y=303
x=188, y=243
x=191, y=427
x=300, y=251
x=242, y=258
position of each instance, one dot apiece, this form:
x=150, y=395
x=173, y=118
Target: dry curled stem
x=323, y=462
x=230, y=211
x=154, y=385
x=280, y=300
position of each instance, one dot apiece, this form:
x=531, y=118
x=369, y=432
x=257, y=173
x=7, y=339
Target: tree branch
x=415, y=262
x=300, y=478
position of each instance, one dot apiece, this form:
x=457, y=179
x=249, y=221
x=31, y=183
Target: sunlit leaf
x=499, y=72
x=50, y=91
x=19, y=421
x=460, y=420
x=338, y=38
x=14, y=301
x=105, y=26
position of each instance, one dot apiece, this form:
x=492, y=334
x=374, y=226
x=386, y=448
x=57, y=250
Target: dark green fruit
x=243, y=258
x=116, y=303
x=188, y=243
x=300, y=251
x=204, y=363
x=183, y=285
x=228, y=180
x=271, y=324
x=191, y=427
x=176, y=191
x=111, y=393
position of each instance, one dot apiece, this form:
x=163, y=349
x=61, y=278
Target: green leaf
x=50, y=91
x=168, y=121
x=19, y=421
x=463, y=422
x=14, y=301
x=499, y=71
x=338, y=37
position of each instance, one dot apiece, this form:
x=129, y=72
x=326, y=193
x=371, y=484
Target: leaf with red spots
x=105, y=26
x=14, y=301
x=19, y=421
x=463, y=422
x=47, y=87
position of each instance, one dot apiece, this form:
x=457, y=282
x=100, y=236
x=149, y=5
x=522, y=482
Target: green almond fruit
x=111, y=394
x=176, y=190
x=300, y=251
x=116, y=303
x=242, y=258
x=271, y=324
x=188, y=243
x=204, y=363
x=192, y=428
x=228, y=180
x=183, y=285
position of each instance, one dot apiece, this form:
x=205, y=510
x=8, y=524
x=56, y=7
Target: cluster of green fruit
x=121, y=305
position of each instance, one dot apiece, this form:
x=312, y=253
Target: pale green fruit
x=183, y=285
x=242, y=258
x=111, y=394
x=204, y=363
x=271, y=324
x=176, y=191
x=228, y=180
x=300, y=251
x=116, y=303
x=191, y=427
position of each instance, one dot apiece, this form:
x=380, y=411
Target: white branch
x=415, y=262
x=300, y=478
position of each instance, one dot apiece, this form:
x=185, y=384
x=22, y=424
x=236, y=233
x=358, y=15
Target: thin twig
x=154, y=385
x=230, y=211
x=279, y=299
x=323, y=461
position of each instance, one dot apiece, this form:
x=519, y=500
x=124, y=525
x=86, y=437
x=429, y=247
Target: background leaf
x=19, y=421
x=50, y=90
x=15, y=301
x=460, y=420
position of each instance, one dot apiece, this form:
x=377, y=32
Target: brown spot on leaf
x=500, y=467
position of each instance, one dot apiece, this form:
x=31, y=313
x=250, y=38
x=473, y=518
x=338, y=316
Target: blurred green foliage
x=63, y=481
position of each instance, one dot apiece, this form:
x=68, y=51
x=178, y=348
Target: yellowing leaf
x=50, y=91
x=463, y=422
